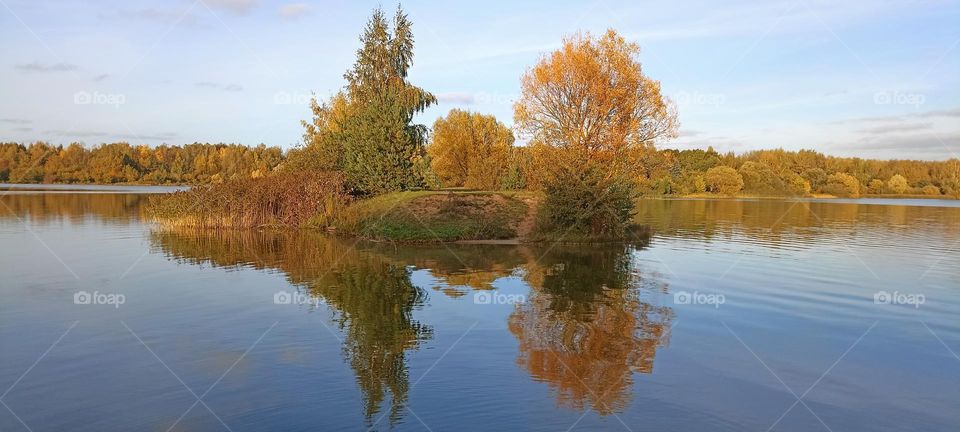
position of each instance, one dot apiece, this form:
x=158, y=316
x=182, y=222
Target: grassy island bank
x=318, y=201
x=439, y=216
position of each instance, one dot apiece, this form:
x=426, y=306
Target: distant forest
x=659, y=172
x=124, y=163
x=793, y=173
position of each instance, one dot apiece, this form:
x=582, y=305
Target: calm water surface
x=731, y=316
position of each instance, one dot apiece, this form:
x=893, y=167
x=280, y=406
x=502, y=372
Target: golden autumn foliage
x=841, y=184
x=782, y=172
x=588, y=109
x=470, y=149
x=121, y=162
x=898, y=184
x=589, y=102
x=585, y=331
x=723, y=180
x=588, y=362
x=321, y=151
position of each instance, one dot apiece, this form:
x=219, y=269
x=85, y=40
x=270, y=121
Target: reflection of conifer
x=371, y=296
x=375, y=302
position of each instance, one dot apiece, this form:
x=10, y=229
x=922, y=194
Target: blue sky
x=878, y=79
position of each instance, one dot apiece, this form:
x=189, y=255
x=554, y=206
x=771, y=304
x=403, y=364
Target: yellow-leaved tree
x=470, y=149
x=322, y=151
x=587, y=108
x=591, y=100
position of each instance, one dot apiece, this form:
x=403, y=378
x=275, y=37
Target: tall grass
x=291, y=199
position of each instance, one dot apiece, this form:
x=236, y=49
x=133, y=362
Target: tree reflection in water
x=374, y=302
x=585, y=328
x=371, y=297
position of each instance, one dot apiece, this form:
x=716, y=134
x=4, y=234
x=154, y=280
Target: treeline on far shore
x=793, y=173
x=197, y=163
x=663, y=172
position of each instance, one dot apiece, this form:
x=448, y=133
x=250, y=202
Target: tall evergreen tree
x=371, y=133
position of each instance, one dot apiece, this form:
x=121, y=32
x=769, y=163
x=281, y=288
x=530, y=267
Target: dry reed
x=292, y=199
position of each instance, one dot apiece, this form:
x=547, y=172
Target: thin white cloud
x=75, y=134
x=15, y=121
x=897, y=128
x=236, y=7
x=164, y=136
x=953, y=112
x=35, y=67
x=163, y=16
x=219, y=86
x=478, y=56
x=945, y=113
x=294, y=10
x=905, y=146
x=771, y=18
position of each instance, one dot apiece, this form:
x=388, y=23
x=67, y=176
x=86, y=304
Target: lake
x=731, y=315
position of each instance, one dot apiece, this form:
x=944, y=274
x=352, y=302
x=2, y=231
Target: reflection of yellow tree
x=585, y=329
x=371, y=295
